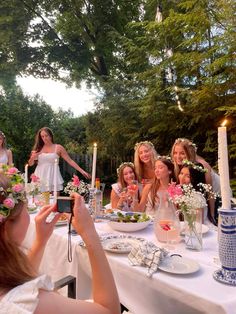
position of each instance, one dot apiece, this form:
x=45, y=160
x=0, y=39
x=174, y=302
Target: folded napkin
x=148, y=255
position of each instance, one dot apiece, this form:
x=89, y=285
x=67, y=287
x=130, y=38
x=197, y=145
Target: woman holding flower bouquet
x=45, y=152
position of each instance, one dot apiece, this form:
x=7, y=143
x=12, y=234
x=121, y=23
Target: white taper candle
x=55, y=180
x=94, y=164
x=223, y=166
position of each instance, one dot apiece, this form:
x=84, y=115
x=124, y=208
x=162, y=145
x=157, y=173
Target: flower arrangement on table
x=190, y=203
x=78, y=186
x=14, y=193
x=33, y=188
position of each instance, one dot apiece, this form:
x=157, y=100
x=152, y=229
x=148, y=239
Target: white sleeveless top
x=4, y=158
x=23, y=299
x=45, y=170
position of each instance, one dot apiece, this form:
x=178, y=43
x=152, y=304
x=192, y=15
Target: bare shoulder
x=51, y=302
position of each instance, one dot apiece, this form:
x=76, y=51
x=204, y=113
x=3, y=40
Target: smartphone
x=65, y=204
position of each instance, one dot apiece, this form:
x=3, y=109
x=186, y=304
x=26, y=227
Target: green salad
x=136, y=217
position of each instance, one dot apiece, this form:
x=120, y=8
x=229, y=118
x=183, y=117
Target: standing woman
x=164, y=175
x=45, y=152
x=144, y=161
x=5, y=154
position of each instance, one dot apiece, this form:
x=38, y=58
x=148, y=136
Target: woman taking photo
x=5, y=154
x=22, y=290
x=45, y=152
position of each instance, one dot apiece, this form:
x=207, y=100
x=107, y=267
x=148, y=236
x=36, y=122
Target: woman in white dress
x=45, y=152
x=5, y=154
x=164, y=175
x=127, y=194
x=22, y=290
x=184, y=149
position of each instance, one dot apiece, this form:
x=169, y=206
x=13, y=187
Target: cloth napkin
x=148, y=255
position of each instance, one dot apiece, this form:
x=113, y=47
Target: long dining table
x=162, y=293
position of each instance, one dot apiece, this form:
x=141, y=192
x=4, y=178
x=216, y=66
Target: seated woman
x=164, y=174
x=184, y=149
x=194, y=173
x=22, y=290
x=127, y=194
x=144, y=160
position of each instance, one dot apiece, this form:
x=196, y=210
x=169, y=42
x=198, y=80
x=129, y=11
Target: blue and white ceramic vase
x=227, y=247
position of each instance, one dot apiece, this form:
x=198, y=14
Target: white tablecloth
x=163, y=293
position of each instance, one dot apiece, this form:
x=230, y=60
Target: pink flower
x=17, y=188
x=75, y=180
x=9, y=203
x=34, y=178
x=174, y=190
x=12, y=170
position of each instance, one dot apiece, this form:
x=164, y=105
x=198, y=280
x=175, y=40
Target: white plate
x=120, y=244
x=128, y=226
x=205, y=228
x=179, y=265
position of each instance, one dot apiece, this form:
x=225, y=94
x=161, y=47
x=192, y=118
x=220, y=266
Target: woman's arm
x=105, y=297
x=63, y=153
x=43, y=233
x=33, y=157
x=117, y=200
x=140, y=206
x=9, y=157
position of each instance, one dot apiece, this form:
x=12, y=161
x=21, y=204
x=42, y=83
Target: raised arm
x=43, y=233
x=105, y=297
x=141, y=205
x=63, y=153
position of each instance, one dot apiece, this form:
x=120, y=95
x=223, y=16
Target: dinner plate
x=128, y=226
x=205, y=228
x=179, y=265
x=120, y=244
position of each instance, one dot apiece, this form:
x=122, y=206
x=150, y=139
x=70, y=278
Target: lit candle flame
x=224, y=122
x=95, y=144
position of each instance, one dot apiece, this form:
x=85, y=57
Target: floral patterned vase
x=193, y=229
x=227, y=247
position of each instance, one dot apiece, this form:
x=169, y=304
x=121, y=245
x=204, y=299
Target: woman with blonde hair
x=22, y=289
x=144, y=160
x=5, y=154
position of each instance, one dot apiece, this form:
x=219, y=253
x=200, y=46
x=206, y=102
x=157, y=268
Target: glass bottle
x=97, y=197
x=166, y=222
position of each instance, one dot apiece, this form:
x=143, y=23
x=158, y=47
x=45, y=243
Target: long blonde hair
x=138, y=165
x=190, y=150
x=15, y=268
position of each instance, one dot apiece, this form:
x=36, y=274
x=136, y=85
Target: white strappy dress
x=45, y=171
